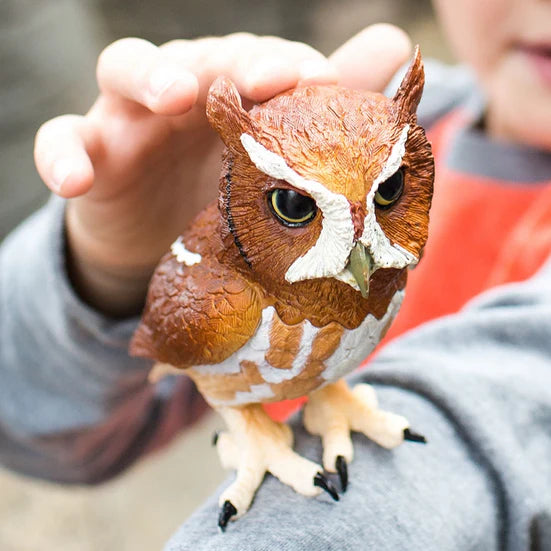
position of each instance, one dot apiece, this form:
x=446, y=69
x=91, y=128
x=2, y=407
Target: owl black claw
x=414, y=436
x=327, y=485
x=342, y=469
x=215, y=436
x=227, y=512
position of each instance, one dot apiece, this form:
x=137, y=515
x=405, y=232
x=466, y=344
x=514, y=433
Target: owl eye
x=291, y=208
x=390, y=190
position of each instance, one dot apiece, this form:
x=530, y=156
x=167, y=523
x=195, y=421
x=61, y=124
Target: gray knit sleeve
x=74, y=406
x=478, y=385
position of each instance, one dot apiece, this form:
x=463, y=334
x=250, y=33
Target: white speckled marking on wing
x=357, y=344
x=179, y=250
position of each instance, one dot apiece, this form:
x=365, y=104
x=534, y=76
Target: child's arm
x=478, y=384
x=73, y=406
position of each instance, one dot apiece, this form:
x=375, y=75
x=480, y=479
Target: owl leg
x=335, y=410
x=254, y=445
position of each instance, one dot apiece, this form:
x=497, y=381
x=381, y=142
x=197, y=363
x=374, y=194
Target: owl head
x=323, y=182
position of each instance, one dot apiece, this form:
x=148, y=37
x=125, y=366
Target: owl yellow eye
x=390, y=190
x=291, y=208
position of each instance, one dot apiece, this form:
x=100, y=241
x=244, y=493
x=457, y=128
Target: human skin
x=144, y=160
x=508, y=44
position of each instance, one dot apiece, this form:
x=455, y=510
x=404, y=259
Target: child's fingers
x=61, y=155
x=274, y=65
x=259, y=66
x=369, y=59
x=137, y=70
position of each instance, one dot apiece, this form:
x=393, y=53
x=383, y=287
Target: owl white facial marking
x=179, y=250
x=330, y=253
x=329, y=256
x=384, y=253
x=347, y=277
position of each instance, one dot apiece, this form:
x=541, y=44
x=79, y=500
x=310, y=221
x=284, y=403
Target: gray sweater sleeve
x=74, y=407
x=478, y=385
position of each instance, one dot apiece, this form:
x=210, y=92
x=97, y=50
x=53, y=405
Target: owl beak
x=361, y=266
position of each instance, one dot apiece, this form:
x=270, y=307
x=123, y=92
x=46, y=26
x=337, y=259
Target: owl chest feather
x=287, y=361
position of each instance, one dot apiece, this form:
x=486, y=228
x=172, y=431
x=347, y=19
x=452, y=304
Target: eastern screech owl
x=291, y=280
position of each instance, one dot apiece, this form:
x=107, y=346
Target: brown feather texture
x=236, y=302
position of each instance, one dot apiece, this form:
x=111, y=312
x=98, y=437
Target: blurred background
x=48, y=52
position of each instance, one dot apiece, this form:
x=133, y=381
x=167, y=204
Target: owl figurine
x=288, y=282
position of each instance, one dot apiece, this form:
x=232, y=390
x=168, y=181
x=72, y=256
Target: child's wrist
x=105, y=274
x=103, y=279
x=112, y=291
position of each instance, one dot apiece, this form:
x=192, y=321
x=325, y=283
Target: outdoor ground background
x=47, y=57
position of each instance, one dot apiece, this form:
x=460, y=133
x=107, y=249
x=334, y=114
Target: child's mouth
x=539, y=56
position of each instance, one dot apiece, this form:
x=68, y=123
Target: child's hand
x=144, y=160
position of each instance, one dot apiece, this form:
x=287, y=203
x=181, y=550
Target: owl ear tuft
x=410, y=91
x=225, y=112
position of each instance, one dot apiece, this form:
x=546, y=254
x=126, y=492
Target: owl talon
x=255, y=445
x=342, y=469
x=322, y=482
x=334, y=411
x=227, y=511
x=215, y=436
x=414, y=436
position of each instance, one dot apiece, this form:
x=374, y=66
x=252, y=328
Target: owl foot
x=335, y=410
x=255, y=445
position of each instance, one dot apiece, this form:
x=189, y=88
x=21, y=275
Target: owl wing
x=196, y=315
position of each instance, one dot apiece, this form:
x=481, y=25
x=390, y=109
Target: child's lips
x=539, y=56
